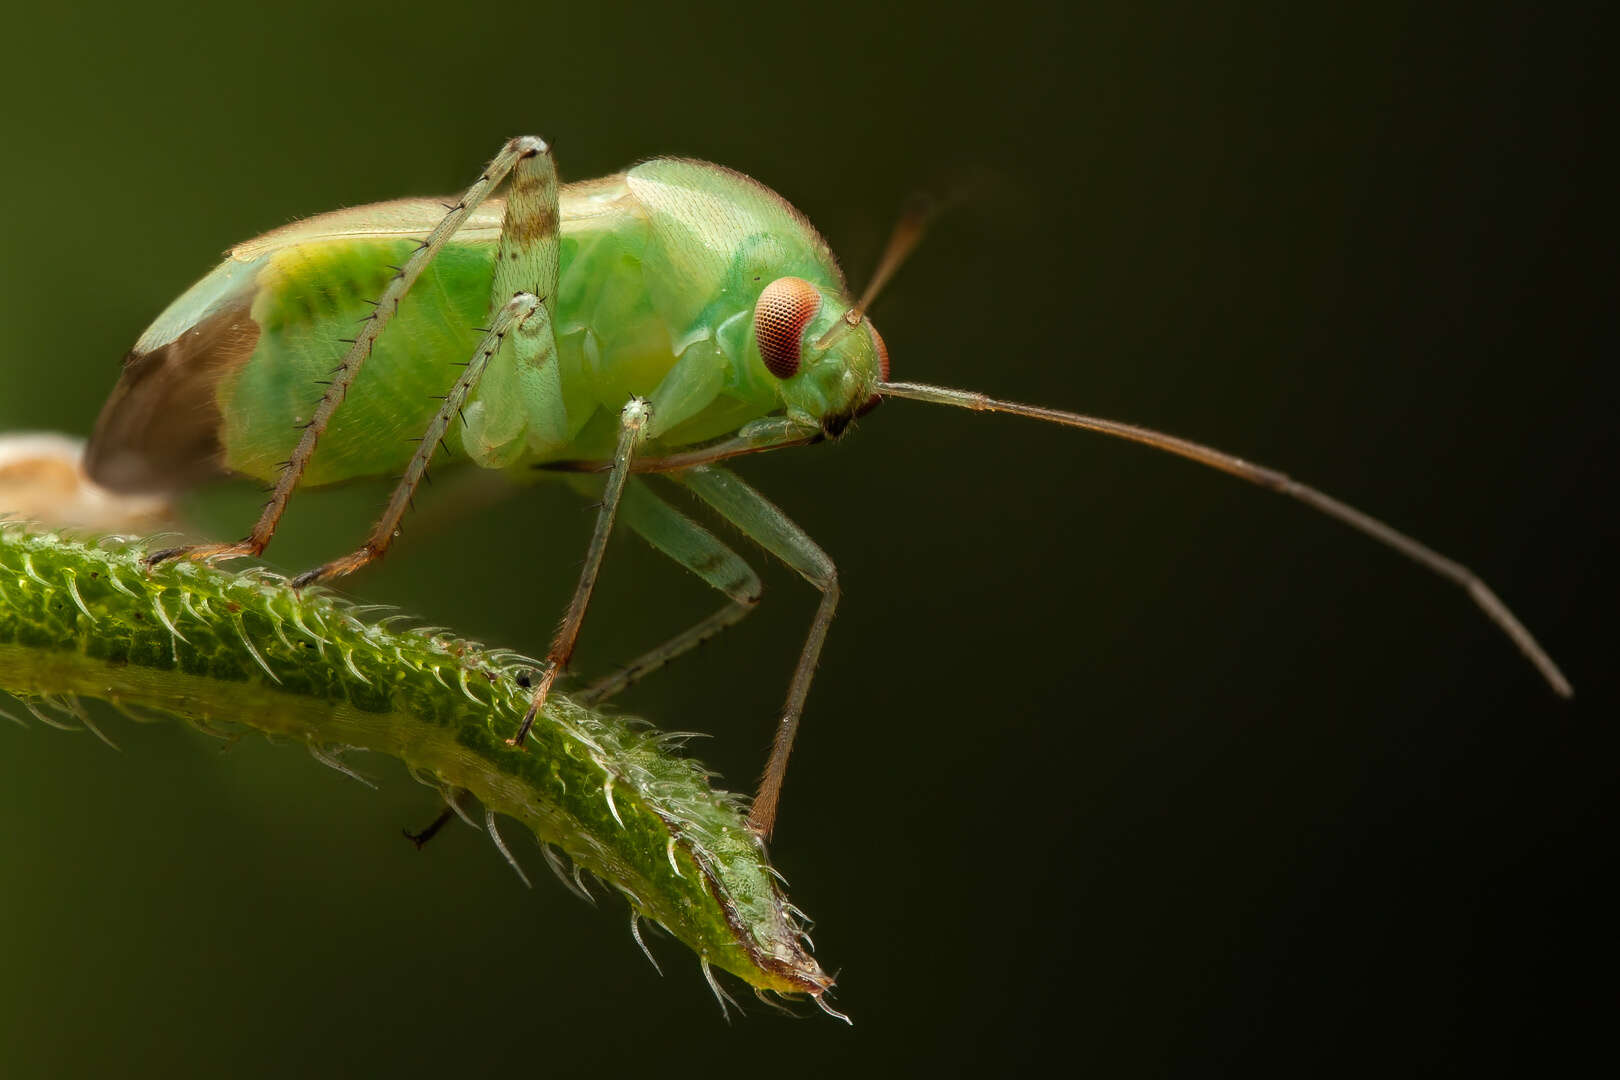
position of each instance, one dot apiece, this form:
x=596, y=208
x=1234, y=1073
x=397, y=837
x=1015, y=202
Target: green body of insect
x=662, y=319
x=660, y=271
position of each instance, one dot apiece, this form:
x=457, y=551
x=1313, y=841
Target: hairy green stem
x=81, y=620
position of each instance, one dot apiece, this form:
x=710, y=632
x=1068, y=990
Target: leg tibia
x=758, y=518
x=633, y=421
x=688, y=543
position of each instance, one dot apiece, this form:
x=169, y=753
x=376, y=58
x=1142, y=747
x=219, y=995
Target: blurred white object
x=42, y=480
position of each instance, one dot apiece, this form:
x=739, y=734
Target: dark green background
x=1109, y=757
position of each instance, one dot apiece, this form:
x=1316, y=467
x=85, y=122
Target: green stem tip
x=232, y=651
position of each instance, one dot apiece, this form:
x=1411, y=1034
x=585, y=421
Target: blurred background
x=1109, y=756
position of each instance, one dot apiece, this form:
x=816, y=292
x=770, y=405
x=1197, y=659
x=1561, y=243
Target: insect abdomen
x=311, y=298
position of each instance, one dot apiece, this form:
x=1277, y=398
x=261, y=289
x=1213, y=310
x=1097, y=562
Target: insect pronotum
x=660, y=320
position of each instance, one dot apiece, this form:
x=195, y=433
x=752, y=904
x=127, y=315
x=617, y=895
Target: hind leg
x=343, y=376
x=519, y=350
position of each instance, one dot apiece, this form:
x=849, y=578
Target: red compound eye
x=785, y=308
x=882, y=352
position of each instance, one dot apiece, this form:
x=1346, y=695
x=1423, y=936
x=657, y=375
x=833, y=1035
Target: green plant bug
x=660, y=320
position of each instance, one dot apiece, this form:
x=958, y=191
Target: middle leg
x=633, y=423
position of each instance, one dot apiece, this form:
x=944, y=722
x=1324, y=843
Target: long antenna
x=903, y=240
x=1266, y=478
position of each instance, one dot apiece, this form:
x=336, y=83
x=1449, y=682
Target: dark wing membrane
x=160, y=429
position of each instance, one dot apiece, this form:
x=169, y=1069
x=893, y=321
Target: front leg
x=758, y=518
x=633, y=423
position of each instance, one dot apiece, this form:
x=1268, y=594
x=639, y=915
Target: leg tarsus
x=421, y=838
x=348, y=564
x=536, y=701
x=241, y=549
